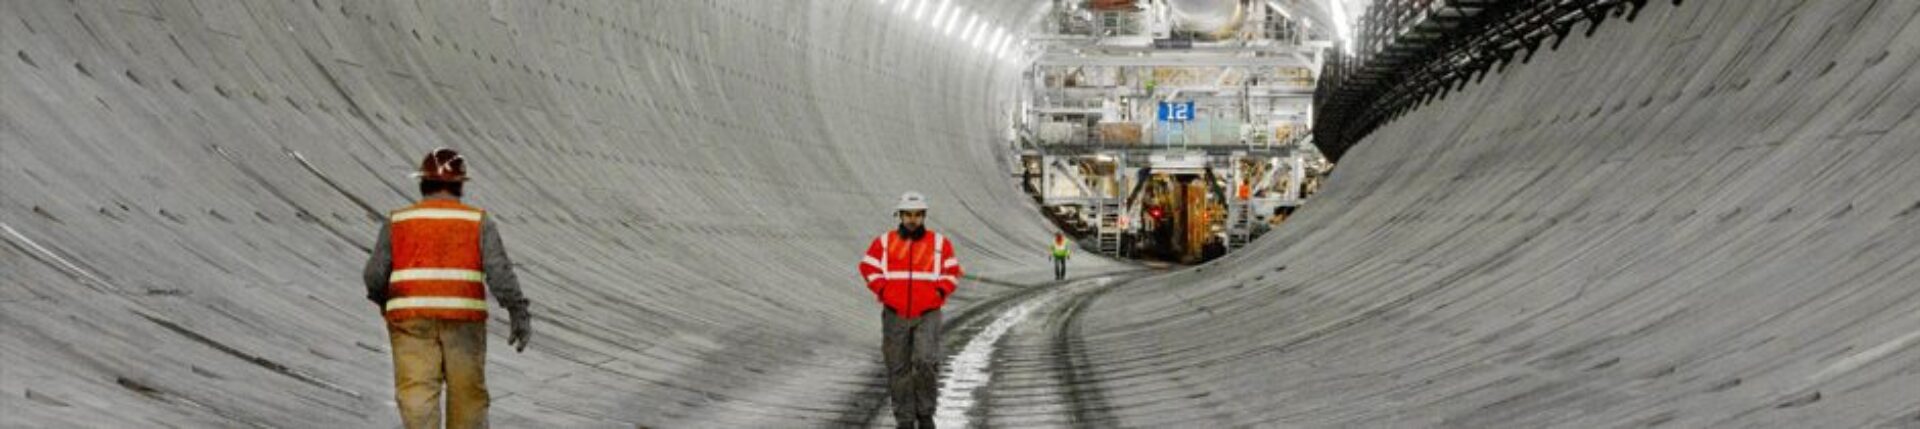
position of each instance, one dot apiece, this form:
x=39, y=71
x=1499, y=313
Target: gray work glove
x=522, y=329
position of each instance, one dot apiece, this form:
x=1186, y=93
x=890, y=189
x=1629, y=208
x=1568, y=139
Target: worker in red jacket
x=912, y=271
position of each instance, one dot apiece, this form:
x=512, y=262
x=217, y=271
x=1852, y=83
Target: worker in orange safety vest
x=430, y=272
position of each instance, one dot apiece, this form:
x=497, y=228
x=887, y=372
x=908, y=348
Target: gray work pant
x=912, y=349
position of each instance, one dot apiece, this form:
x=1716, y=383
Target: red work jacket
x=911, y=277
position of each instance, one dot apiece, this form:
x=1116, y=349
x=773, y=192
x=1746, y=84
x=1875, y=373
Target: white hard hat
x=911, y=201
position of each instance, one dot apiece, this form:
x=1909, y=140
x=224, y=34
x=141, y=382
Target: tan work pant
x=429, y=352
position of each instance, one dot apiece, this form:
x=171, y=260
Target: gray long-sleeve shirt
x=501, y=283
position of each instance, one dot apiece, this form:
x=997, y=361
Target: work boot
x=926, y=422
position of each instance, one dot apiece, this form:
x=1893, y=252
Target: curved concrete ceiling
x=1678, y=221
x=1206, y=16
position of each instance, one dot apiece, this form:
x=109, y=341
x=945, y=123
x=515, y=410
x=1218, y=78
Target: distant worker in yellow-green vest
x=1060, y=254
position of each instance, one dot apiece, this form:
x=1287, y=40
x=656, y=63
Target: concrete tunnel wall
x=1704, y=218
x=1700, y=218
x=188, y=190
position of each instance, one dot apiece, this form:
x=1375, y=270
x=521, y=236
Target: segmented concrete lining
x=188, y=190
x=1702, y=218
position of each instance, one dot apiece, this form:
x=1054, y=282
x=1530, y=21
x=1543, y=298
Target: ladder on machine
x=1240, y=225
x=1109, y=230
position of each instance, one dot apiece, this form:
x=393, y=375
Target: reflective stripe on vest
x=452, y=274
x=436, y=263
x=915, y=270
x=938, y=241
x=436, y=214
x=911, y=275
x=436, y=303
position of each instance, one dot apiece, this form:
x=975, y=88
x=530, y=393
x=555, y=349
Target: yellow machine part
x=1199, y=225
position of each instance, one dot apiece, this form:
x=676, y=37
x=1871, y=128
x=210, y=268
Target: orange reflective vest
x=436, y=263
x=911, y=276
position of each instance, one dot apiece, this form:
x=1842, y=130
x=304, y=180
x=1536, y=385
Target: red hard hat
x=443, y=165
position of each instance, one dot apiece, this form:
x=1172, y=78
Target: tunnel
x=1703, y=217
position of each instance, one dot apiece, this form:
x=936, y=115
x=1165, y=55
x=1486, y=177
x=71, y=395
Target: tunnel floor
x=1007, y=357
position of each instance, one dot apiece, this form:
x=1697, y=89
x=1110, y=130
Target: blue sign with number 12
x=1176, y=112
